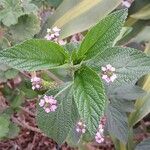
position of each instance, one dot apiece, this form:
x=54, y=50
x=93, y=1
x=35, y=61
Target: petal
x=53, y=107
x=108, y=66
x=126, y=4
x=104, y=76
x=37, y=86
x=78, y=129
x=83, y=130
x=56, y=34
x=103, y=68
x=56, y=29
x=48, y=37
x=80, y=123
x=113, y=69
x=113, y=77
x=61, y=42
x=49, y=30
x=42, y=102
x=47, y=110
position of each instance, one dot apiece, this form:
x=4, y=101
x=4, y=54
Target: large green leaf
x=34, y=55
x=72, y=16
x=144, y=145
x=117, y=122
x=11, y=11
x=58, y=124
x=102, y=35
x=26, y=28
x=130, y=64
x=90, y=97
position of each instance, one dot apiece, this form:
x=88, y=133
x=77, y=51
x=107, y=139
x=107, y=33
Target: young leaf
x=58, y=124
x=90, y=97
x=130, y=64
x=144, y=145
x=117, y=123
x=34, y=55
x=102, y=35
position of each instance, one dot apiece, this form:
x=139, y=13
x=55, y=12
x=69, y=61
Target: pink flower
x=99, y=137
x=126, y=3
x=80, y=127
x=36, y=83
x=48, y=103
x=108, y=73
x=53, y=35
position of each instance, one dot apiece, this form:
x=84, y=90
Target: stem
x=54, y=77
x=27, y=111
x=25, y=125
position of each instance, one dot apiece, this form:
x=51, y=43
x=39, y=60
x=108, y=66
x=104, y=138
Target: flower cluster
x=99, y=137
x=80, y=127
x=53, y=35
x=36, y=83
x=48, y=103
x=108, y=73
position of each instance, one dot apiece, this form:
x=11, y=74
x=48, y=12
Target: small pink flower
x=36, y=83
x=126, y=3
x=99, y=137
x=80, y=127
x=108, y=73
x=53, y=35
x=56, y=29
x=48, y=103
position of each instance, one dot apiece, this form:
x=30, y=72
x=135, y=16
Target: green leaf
x=34, y=55
x=29, y=7
x=4, y=125
x=90, y=97
x=72, y=16
x=123, y=105
x=55, y=3
x=117, y=122
x=129, y=92
x=17, y=99
x=130, y=64
x=58, y=124
x=141, y=110
x=144, y=145
x=11, y=73
x=13, y=131
x=73, y=138
x=11, y=11
x=26, y=28
x=102, y=35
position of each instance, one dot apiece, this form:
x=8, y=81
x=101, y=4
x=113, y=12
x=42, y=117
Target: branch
x=25, y=125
